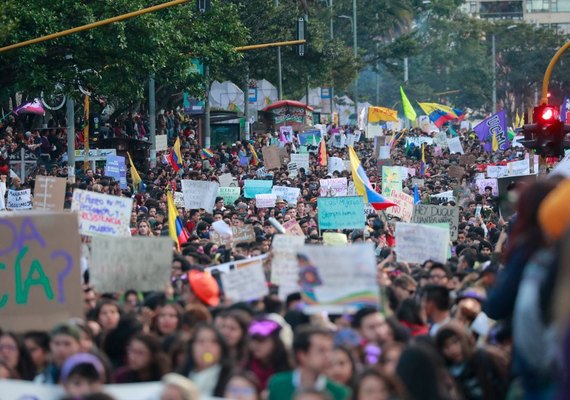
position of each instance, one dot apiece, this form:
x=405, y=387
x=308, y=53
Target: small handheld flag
x=176, y=229
x=363, y=186
x=175, y=157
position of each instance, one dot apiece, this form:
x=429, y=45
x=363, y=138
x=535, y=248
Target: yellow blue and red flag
x=438, y=113
x=175, y=157
x=363, y=186
x=176, y=229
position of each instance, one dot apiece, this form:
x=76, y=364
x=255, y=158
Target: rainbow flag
x=175, y=156
x=207, y=153
x=363, y=186
x=254, y=158
x=175, y=226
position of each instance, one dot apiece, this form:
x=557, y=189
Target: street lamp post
x=354, y=26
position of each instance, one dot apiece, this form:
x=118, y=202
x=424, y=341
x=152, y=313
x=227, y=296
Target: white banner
x=199, y=194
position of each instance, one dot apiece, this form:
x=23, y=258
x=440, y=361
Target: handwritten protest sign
x=49, y=193
x=284, y=266
x=245, y=283
x=289, y=194
x=254, y=187
x=497, y=171
x=199, y=194
x=391, y=179
x=101, y=214
x=328, y=285
x=179, y=199
x=116, y=168
x=446, y=196
x=292, y=227
x=228, y=180
x=440, y=139
x=404, y=205
x=417, y=243
x=334, y=239
x=455, y=145
x=265, y=200
x=432, y=214
x=240, y=234
x=333, y=187
x=302, y=161
x=293, y=170
x=483, y=183
x=517, y=168
x=335, y=164
x=271, y=158
x=161, y=142
x=139, y=263
x=229, y=194
x=19, y=199
x=419, y=182
x=39, y=268
x=341, y=212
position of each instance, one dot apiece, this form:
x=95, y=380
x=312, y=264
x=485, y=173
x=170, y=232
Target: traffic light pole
x=548, y=73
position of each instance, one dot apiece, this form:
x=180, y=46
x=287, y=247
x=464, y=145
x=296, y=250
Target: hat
x=205, y=287
x=184, y=385
x=81, y=358
x=280, y=199
x=553, y=212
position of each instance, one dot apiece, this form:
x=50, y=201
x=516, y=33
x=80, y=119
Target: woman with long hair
x=372, y=384
x=268, y=354
x=233, y=325
x=168, y=319
x=15, y=355
x=343, y=367
x=208, y=361
x=145, y=361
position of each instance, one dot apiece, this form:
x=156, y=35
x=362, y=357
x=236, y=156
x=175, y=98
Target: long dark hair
x=25, y=369
x=243, y=320
x=225, y=357
x=159, y=364
x=279, y=359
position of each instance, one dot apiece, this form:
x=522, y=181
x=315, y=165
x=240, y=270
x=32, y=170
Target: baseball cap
x=204, y=287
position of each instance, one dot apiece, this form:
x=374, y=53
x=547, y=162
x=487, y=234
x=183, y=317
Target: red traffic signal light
x=545, y=116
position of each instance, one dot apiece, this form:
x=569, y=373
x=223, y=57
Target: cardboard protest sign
x=271, y=158
x=139, y=263
x=261, y=172
x=116, y=168
x=417, y=243
x=455, y=145
x=230, y=194
x=284, y=266
x=293, y=170
x=289, y=194
x=447, y=196
x=517, y=168
x=432, y=214
x=240, y=234
x=179, y=199
x=467, y=159
x=483, y=183
x=404, y=206
x=254, y=187
x=456, y=172
x=161, y=142
x=228, y=180
x=327, y=284
x=49, y=193
x=292, y=227
x=384, y=153
x=378, y=142
x=199, y=194
x=302, y=161
x=335, y=164
x=334, y=239
x=341, y=212
x=19, y=199
x=265, y=200
x=40, y=270
x=440, y=139
x=245, y=283
x=391, y=179
x=497, y=171
x=418, y=140
x=102, y=214
x=333, y=187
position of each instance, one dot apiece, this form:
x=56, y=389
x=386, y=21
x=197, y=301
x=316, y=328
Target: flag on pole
x=438, y=113
x=33, y=107
x=377, y=114
x=175, y=156
x=86, y=134
x=323, y=157
x=137, y=181
x=409, y=111
x=363, y=186
x=417, y=198
x=564, y=109
x=254, y=158
x=176, y=229
x=423, y=162
x=494, y=143
x=496, y=125
x=518, y=119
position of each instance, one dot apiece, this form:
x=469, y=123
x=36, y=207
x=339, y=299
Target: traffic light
x=546, y=134
x=203, y=5
x=301, y=35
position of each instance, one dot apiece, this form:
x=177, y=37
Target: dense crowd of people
x=490, y=323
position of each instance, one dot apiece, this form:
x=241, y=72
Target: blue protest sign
x=253, y=187
x=341, y=212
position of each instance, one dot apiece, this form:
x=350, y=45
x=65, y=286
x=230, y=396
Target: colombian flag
x=175, y=157
x=438, y=113
x=254, y=158
x=363, y=186
x=175, y=227
x=423, y=162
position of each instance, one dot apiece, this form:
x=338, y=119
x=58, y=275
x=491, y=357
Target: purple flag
x=495, y=124
x=564, y=109
x=33, y=107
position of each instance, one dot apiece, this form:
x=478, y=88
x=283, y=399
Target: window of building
x=538, y=6
x=501, y=9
